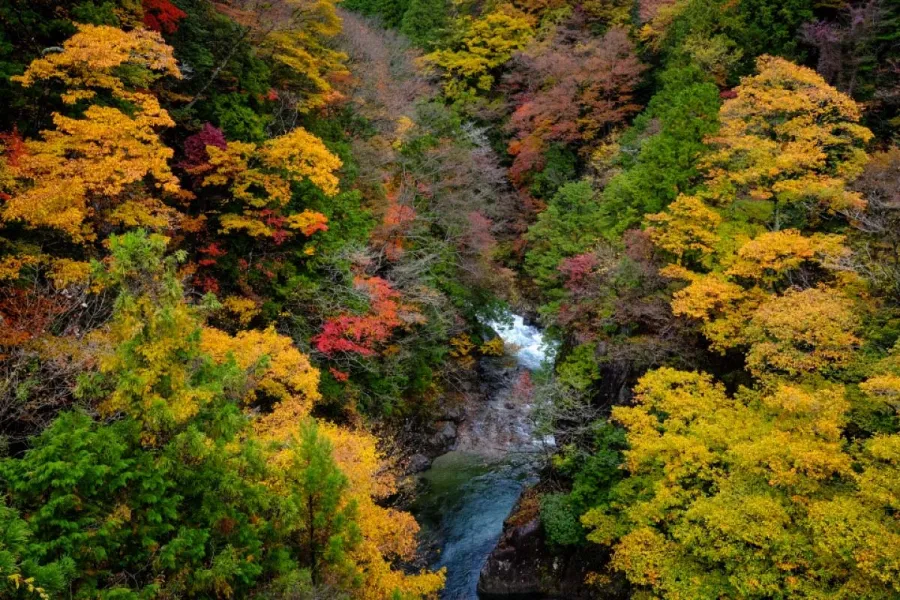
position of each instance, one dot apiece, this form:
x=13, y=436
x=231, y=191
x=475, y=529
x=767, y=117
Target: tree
x=21, y=573
x=294, y=37
x=425, y=20
x=787, y=257
x=571, y=94
x=751, y=496
x=363, y=334
x=276, y=368
x=787, y=138
x=149, y=335
x=689, y=228
x=812, y=331
x=569, y=226
x=470, y=62
x=324, y=521
x=878, y=224
x=667, y=143
x=779, y=300
x=259, y=180
x=105, y=58
x=76, y=177
x=102, y=497
x=162, y=16
x=181, y=494
x=91, y=171
x=388, y=534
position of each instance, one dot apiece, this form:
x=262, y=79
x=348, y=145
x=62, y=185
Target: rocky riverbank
x=464, y=495
x=477, y=414
x=465, y=481
x=524, y=566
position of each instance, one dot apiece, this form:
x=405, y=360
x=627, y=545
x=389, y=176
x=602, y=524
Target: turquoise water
x=465, y=499
x=467, y=494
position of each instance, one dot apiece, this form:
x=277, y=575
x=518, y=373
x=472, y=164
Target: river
x=467, y=493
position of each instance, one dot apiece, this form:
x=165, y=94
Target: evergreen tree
x=324, y=519
x=424, y=21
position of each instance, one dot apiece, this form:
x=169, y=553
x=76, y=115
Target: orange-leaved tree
x=259, y=178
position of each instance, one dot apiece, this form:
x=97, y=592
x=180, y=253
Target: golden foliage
x=802, y=331
x=486, y=43
x=260, y=179
x=388, y=534
x=295, y=36
x=244, y=309
x=152, y=338
x=273, y=364
x=754, y=495
x=65, y=272
x=461, y=348
x=82, y=169
x=790, y=137
x=687, y=225
x=768, y=257
x=750, y=295
x=494, y=347
x=11, y=266
x=303, y=156
x=93, y=58
x=88, y=162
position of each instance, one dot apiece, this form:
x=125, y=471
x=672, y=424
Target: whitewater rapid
x=531, y=350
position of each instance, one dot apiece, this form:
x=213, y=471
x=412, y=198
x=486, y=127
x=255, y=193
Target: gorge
x=468, y=493
x=444, y=299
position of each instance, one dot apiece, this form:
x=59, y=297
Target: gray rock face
x=446, y=434
x=418, y=463
x=522, y=566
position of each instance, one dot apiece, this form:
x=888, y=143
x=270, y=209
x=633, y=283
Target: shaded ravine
x=467, y=493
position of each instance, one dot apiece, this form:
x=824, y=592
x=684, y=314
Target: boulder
x=523, y=565
x=446, y=434
x=418, y=463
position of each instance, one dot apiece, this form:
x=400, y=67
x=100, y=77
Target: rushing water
x=532, y=350
x=469, y=492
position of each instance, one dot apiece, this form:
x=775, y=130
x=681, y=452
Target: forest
x=253, y=254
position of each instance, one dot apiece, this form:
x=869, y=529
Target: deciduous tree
x=788, y=138
x=571, y=93
x=469, y=64
x=754, y=495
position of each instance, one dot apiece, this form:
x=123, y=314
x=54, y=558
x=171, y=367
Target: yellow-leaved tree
x=789, y=145
x=469, y=65
x=294, y=36
x=762, y=492
x=752, y=495
x=787, y=138
x=258, y=179
x=92, y=172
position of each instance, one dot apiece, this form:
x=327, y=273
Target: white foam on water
x=532, y=350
